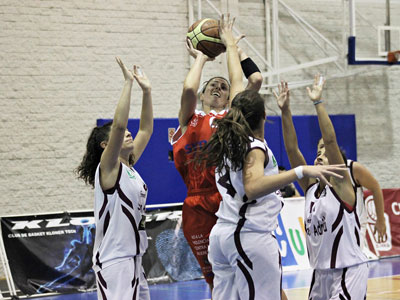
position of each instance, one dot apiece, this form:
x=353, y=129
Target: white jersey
x=332, y=229
x=119, y=215
x=360, y=206
x=255, y=215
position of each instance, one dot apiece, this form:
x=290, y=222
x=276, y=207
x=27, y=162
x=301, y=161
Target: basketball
x=204, y=36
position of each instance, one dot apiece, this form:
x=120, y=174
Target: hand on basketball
x=128, y=75
x=141, y=78
x=316, y=92
x=322, y=172
x=194, y=52
x=282, y=99
x=380, y=228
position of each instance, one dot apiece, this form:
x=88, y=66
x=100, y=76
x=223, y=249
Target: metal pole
x=275, y=37
x=268, y=47
x=6, y=266
x=344, y=37
x=352, y=11
x=191, y=21
x=387, y=32
x=199, y=10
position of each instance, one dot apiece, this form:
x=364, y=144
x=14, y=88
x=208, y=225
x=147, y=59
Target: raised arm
x=232, y=56
x=256, y=184
x=294, y=154
x=109, y=162
x=146, y=117
x=364, y=178
x=191, y=85
x=251, y=71
x=342, y=186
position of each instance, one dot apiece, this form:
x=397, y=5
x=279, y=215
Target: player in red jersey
x=202, y=200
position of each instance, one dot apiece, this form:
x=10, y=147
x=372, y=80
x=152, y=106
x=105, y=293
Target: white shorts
x=246, y=265
x=124, y=280
x=340, y=284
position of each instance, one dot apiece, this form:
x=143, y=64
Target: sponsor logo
x=131, y=173
x=194, y=122
x=162, y=216
x=51, y=223
x=274, y=161
x=189, y=148
x=396, y=208
x=371, y=221
x=316, y=229
x=171, y=132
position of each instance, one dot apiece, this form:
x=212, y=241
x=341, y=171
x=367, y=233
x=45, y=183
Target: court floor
x=383, y=283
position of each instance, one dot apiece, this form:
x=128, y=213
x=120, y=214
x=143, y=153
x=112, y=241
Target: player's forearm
x=251, y=71
x=379, y=202
x=146, y=117
x=121, y=114
x=289, y=132
x=268, y=184
x=234, y=69
x=192, y=80
x=325, y=125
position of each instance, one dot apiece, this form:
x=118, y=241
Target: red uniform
x=202, y=200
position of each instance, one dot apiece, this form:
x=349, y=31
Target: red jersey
x=198, y=132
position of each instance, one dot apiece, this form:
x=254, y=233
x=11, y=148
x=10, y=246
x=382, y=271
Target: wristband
x=318, y=102
x=299, y=172
x=249, y=67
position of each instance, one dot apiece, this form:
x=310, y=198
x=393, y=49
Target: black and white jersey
x=254, y=214
x=360, y=206
x=119, y=215
x=332, y=230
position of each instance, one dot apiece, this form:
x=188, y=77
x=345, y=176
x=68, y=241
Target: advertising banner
x=53, y=252
x=50, y=252
x=391, y=246
x=168, y=257
x=291, y=235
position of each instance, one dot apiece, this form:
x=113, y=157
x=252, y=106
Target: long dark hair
x=87, y=168
x=231, y=139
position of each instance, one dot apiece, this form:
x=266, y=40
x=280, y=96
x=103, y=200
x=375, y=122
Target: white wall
x=58, y=75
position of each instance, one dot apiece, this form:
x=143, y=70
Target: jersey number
x=225, y=181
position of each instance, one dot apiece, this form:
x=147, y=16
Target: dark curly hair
x=87, y=168
x=231, y=140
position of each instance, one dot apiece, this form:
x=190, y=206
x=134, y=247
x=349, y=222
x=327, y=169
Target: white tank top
x=119, y=215
x=260, y=214
x=360, y=206
x=332, y=231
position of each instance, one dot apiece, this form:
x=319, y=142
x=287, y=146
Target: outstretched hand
x=194, y=52
x=316, y=92
x=128, y=74
x=322, y=171
x=141, y=78
x=225, y=31
x=282, y=99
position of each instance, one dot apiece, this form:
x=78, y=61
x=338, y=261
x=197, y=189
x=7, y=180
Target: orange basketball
x=204, y=36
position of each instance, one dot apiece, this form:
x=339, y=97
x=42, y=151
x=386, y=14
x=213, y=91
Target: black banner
x=50, y=253
x=53, y=252
x=168, y=257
